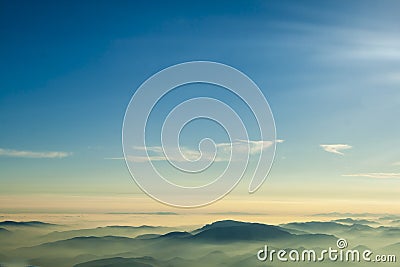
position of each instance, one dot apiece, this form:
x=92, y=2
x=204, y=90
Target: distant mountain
x=221, y=231
x=317, y=227
x=212, y=259
x=217, y=224
x=120, y=262
x=128, y=231
x=30, y=223
x=125, y=250
x=354, y=221
x=296, y=232
x=224, y=231
x=390, y=217
x=81, y=245
x=360, y=228
x=88, y=241
x=147, y=236
x=230, y=223
x=389, y=231
x=222, y=243
x=175, y=235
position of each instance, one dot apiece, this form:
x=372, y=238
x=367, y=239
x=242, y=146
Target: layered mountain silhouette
x=29, y=224
x=128, y=231
x=222, y=243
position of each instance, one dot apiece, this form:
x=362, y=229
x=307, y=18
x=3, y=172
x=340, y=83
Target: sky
x=330, y=71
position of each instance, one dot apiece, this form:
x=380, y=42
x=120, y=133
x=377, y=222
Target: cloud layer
x=32, y=154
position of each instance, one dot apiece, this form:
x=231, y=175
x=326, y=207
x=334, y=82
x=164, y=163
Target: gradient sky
x=330, y=71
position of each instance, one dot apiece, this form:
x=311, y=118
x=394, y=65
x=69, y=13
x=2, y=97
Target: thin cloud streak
x=223, y=151
x=335, y=148
x=376, y=175
x=33, y=154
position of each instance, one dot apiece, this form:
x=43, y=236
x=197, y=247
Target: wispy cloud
x=361, y=43
x=372, y=46
x=156, y=153
x=396, y=163
x=33, y=154
x=377, y=175
x=115, y=158
x=335, y=148
x=242, y=146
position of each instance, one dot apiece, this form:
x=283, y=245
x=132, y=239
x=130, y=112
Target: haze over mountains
x=222, y=243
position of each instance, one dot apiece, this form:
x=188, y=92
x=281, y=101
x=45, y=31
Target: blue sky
x=330, y=71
